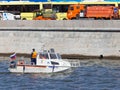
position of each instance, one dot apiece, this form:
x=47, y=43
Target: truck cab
x=75, y=11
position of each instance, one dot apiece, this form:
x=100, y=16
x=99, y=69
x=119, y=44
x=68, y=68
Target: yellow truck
x=27, y=15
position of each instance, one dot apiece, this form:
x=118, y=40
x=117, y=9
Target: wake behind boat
x=46, y=62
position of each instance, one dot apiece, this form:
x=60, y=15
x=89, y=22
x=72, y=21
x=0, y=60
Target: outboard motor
x=12, y=64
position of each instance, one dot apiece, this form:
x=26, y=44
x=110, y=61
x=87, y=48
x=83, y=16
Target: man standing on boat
x=33, y=57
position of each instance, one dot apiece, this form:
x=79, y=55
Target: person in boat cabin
x=42, y=57
x=33, y=57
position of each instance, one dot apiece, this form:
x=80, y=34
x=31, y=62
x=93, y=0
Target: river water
x=90, y=75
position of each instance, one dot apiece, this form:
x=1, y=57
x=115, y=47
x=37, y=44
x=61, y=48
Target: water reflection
x=104, y=63
x=89, y=75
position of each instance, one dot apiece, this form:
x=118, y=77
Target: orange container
x=100, y=11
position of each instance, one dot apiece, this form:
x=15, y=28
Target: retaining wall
x=82, y=37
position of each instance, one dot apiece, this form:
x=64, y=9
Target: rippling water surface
x=90, y=75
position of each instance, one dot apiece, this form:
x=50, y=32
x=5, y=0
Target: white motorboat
x=46, y=62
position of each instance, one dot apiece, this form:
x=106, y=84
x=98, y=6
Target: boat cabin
x=48, y=55
x=44, y=57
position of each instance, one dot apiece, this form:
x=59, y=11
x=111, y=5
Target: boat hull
x=37, y=69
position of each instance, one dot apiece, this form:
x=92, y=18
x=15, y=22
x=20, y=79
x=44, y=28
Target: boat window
x=58, y=55
x=43, y=56
x=54, y=63
x=53, y=56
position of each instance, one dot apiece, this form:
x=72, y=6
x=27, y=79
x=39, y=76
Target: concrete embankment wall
x=82, y=37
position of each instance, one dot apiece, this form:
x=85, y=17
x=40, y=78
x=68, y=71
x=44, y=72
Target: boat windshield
x=53, y=56
x=43, y=56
